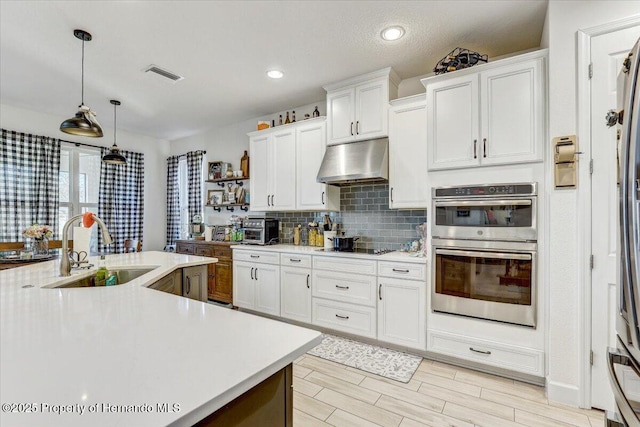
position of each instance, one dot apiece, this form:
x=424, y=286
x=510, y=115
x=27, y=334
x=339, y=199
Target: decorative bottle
x=316, y=113
x=293, y=117
x=287, y=121
x=280, y=122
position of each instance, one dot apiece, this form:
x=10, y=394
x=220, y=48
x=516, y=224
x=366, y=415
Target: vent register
x=163, y=73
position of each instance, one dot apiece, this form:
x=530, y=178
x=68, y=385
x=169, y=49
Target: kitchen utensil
x=344, y=244
x=328, y=239
x=327, y=223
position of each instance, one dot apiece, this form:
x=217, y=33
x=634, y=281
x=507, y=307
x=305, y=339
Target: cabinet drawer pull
x=475, y=148
x=358, y=127
x=479, y=351
x=484, y=147
x=342, y=317
x=400, y=270
x=342, y=287
x=308, y=275
x=295, y=260
x=255, y=256
x=252, y=268
x=351, y=128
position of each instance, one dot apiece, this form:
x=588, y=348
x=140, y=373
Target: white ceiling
x=223, y=49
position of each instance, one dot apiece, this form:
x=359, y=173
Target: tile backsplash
x=364, y=212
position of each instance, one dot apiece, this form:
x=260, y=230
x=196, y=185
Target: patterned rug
x=385, y=362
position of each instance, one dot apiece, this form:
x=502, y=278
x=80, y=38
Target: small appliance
x=261, y=231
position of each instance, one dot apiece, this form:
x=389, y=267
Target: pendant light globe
x=114, y=157
x=84, y=123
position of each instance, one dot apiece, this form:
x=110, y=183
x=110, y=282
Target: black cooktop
x=359, y=251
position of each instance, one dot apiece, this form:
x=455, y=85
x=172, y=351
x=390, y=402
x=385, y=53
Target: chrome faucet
x=65, y=266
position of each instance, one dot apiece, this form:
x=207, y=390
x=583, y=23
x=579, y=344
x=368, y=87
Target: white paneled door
x=607, y=53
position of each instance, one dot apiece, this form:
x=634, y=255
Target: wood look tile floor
x=438, y=395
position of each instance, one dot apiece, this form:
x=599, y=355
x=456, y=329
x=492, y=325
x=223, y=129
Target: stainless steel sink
x=123, y=275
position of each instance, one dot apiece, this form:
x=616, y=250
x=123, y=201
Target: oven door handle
x=499, y=255
x=463, y=203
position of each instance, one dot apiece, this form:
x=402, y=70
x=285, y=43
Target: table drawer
x=520, y=359
x=204, y=251
x=347, y=265
x=354, y=319
x=257, y=256
x=222, y=251
x=345, y=287
x=401, y=270
x=186, y=249
x=295, y=260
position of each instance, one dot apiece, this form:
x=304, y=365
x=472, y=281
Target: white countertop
x=129, y=345
x=315, y=250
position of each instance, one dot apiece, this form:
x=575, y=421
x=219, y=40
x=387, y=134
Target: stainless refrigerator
x=624, y=360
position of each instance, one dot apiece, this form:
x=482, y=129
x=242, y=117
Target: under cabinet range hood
x=355, y=162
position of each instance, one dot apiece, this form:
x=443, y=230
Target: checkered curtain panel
x=173, y=200
x=194, y=185
x=29, y=175
x=121, y=200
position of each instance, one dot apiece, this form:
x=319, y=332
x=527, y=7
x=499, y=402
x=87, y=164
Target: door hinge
x=591, y=261
x=591, y=358
x=591, y=70
x=591, y=167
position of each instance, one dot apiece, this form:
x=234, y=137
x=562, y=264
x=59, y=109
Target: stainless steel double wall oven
x=484, y=249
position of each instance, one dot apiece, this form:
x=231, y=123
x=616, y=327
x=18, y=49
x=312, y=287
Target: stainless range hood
x=355, y=162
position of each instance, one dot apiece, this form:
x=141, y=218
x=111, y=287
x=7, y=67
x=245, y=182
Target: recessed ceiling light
x=275, y=74
x=392, y=33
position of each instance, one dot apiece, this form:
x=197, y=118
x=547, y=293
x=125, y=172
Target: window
x=183, y=194
x=79, y=183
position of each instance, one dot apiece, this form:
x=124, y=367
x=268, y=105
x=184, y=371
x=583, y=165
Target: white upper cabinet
x=408, y=153
x=311, y=143
x=273, y=170
x=487, y=115
x=357, y=108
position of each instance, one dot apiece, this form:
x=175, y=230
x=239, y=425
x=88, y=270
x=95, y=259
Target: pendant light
x=114, y=157
x=84, y=123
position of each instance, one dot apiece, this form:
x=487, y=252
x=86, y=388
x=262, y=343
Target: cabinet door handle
x=358, y=127
x=342, y=317
x=391, y=195
x=256, y=273
x=400, y=270
x=351, y=128
x=188, y=285
x=295, y=260
x=484, y=147
x=380, y=291
x=251, y=273
x=323, y=197
x=268, y=203
x=479, y=351
x=475, y=148
x=342, y=287
x=272, y=202
x=308, y=281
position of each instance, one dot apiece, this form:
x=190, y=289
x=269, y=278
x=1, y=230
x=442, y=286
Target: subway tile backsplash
x=364, y=212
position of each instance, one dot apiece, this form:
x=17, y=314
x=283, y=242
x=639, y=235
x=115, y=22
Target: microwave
x=261, y=231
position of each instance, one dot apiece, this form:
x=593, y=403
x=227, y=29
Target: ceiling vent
x=164, y=73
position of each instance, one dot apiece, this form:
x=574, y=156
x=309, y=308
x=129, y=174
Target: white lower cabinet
x=194, y=282
x=402, y=312
x=256, y=286
x=350, y=318
x=505, y=356
x=295, y=293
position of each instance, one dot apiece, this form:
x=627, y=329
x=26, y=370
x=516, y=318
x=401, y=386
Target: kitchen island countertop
x=126, y=354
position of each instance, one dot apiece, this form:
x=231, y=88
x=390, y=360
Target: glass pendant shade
x=114, y=157
x=84, y=123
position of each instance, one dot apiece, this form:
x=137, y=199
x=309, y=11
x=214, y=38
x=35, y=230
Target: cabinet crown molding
x=541, y=53
x=385, y=72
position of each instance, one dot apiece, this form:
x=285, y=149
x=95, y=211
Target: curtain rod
x=77, y=144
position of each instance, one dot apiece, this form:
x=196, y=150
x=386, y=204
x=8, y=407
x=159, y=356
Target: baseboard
x=563, y=393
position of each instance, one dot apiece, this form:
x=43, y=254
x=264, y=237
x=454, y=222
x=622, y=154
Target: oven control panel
x=487, y=190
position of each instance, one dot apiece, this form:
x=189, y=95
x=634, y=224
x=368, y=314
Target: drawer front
x=400, y=270
x=335, y=263
x=204, y=251
x=257, y=256
x=345, y=287
x=222, y=251
x=295, y=260
x=354, y=319
x=520, y=359
x=186, y=249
